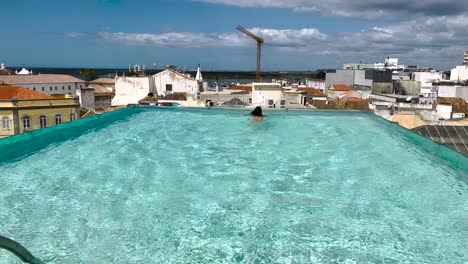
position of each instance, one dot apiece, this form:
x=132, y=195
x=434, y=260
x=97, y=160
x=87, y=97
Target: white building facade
x=452, y=90
x=426, y=79
x=266, y=94
x=459, y=74
x=316, y=83
x=170, y=81
x=130, y=90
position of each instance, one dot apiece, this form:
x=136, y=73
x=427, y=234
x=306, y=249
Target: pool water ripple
x=213, y=187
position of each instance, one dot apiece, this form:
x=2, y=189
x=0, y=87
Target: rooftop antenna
x=260, y=42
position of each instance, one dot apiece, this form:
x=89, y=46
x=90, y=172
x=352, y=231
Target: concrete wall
x=411, y=87
x=379, y=76
x=104, y=101
x=459, y=73
x=360, y=79
x=130, y=90
x=426, y=78
x=294, y=100
x=345, y=77
x=446, y=91
x=462, y=92
x=319, y=84
x=382, y=88
x=261, y=92
x=86, y=97
x=180, y=84
x=444, y=111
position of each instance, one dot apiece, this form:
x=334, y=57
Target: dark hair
x=257, y=111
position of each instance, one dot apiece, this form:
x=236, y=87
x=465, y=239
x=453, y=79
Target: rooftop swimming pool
x=149, y=185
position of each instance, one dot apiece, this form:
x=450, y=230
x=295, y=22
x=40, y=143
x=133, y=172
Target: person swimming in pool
x=257, y=114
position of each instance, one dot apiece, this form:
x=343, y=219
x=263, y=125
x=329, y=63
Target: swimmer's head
x=257, y=111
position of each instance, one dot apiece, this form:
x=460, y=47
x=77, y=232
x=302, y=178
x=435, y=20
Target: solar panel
x=455, y=137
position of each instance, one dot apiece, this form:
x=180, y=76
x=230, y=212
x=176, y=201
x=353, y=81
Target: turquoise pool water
x=145, y=185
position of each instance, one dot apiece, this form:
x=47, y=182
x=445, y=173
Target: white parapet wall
x=129, y=90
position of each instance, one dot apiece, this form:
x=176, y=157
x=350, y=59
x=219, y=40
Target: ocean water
x=210, y=186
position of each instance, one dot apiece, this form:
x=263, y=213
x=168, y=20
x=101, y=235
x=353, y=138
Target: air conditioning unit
x=270, y=103
x=281, y=103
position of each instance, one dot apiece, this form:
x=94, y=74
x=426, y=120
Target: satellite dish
x=409, y=99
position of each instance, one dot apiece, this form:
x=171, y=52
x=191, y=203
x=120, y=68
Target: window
x=51, y=88
x=58, y=119
x=72, y=116
x=43, y=121
x=34, y=88
x=55, y=88
x=169, y=87
x=26, y=122
x=6, y=123
x=69, y=87
x=42, y=88
x=63, y=88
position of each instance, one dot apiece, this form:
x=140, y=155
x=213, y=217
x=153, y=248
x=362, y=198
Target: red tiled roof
x=355, y=99
x=8, y=92
x=247, y=88
x=342, y=87
x=312, y=91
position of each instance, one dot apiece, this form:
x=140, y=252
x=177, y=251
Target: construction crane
x=260, y=42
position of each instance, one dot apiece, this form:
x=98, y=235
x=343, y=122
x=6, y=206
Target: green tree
x=88, y=74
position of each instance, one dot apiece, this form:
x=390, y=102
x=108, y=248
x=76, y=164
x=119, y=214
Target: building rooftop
x=8, y=92
x=176, y=73
x=103, y=81
x=38, y=79
x=450, y=83
x=459, y=104
x=100, y=90
x=342, y=87
x=312, y=91
x=247, y=88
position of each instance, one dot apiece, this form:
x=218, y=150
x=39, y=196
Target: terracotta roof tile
x=355, y=99
x=312, y=91
x=7, y=93
x=342, y=87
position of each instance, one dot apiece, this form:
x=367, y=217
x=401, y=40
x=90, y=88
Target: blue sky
x=299, y=34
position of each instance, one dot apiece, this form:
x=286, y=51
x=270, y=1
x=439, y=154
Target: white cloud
x=433, y=41
x=360, y=8
x=273, y=37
